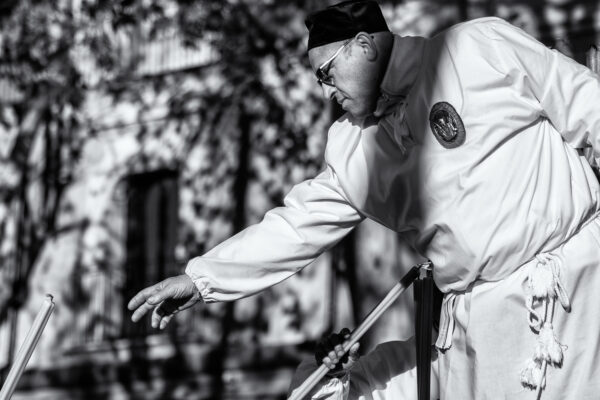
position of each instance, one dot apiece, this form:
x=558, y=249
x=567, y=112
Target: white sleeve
x=315, y=216
x=566, y=90
x=386, y=373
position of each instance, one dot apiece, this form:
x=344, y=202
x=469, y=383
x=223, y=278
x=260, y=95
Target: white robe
x=488, y=210
x=485, y=360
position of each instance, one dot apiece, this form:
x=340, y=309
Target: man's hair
x=343, y=21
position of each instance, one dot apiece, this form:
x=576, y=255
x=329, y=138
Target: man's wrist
x=194, y=288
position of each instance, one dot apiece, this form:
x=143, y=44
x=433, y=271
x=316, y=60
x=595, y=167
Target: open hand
x=167, y=298
x=329, y=352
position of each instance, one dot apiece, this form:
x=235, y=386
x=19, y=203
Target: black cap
x=343, y=21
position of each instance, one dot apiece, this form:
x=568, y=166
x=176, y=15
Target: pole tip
x=49, y=297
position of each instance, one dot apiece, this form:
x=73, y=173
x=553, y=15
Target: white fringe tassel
x=532, y=376
x=548, y=348
x=543, y=286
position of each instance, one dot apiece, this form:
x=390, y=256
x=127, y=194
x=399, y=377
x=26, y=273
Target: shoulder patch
x=446, y=125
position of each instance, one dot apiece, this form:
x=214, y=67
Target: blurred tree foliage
x=259, y=108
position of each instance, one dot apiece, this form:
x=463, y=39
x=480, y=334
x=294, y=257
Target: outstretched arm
x=316, y=216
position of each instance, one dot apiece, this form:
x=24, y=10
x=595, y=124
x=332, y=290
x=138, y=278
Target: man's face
x=354, y=83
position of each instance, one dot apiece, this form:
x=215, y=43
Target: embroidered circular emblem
x=446, y=125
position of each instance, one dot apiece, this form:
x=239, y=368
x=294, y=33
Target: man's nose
x=328, y=91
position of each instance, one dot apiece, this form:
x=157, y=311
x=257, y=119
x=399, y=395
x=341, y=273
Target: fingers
x=336, y=353
x=338, y=360
x=330, y=350
x=324, y=354
x=345, y=334
x=331, y=360
x=165, y=321
x=353, y=352
x=148, y=298
x=140, y=302
x=141, y=311
x=334, y=343
x=329, y=363
x=141, y=297
x=162, y=315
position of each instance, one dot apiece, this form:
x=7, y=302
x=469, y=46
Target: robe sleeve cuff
x=203, y=283
x=335, y=389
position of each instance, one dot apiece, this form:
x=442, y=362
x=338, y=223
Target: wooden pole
x=26, y=349
x=301, y=391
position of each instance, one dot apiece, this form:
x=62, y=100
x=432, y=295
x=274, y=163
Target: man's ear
x=367, y=45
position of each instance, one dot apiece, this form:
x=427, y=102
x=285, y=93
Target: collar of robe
x=403, y=66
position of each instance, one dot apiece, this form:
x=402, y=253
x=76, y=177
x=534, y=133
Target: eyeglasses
x=322, y=73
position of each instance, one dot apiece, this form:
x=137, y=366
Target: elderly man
x=470, y=146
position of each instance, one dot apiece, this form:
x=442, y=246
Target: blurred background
x=137, y=134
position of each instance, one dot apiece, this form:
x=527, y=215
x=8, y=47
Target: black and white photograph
x=299, y=200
